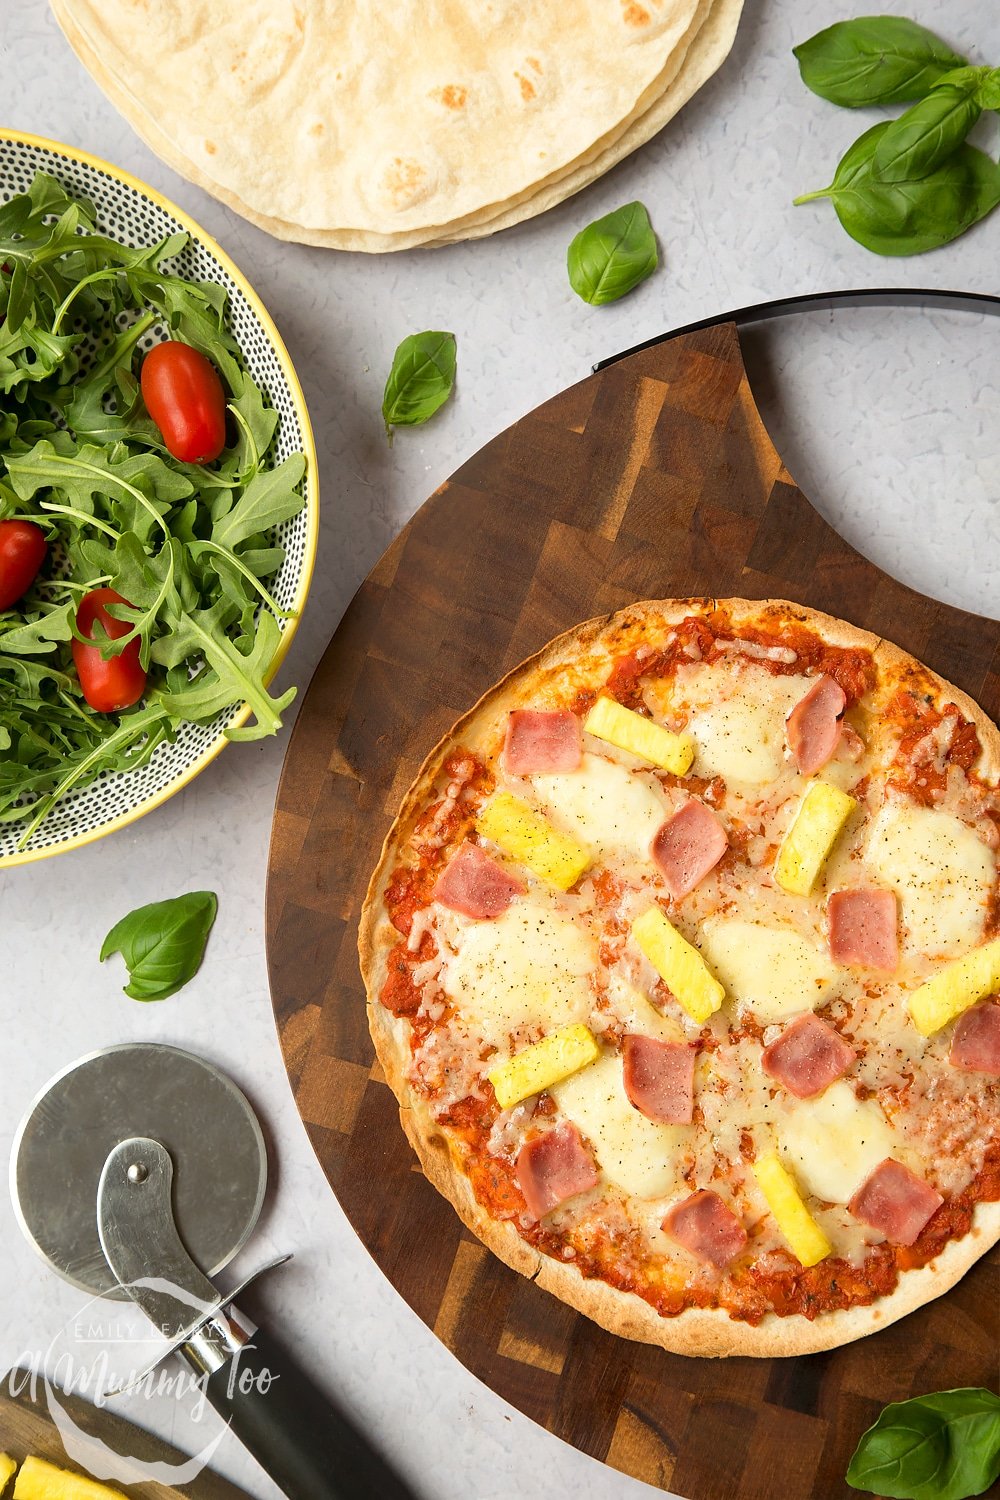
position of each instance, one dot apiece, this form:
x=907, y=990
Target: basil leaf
x=988, y=88
x=907, y=218
x=945, y=1446
x=926, y=135
x=873, y=60
x=421, y=379
x=162, y=944
x=612, y=256
x=969, y=79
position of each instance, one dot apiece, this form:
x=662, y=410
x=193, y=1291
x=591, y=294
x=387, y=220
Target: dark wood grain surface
x=26, y=1427
x=653, y=478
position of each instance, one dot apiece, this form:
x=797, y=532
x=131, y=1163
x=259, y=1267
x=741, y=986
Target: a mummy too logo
x=107, y=1355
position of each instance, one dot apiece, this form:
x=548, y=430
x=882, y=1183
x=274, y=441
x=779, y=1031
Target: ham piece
x=807, y=1057
x=659, y=1078
x=706, y=1227
x=813, y=726
x=553, y=1167
x=540, y=742
x=975, y=1047
x=863, y=928
x=687, y=846
x=473, y=884
x=896, y=1202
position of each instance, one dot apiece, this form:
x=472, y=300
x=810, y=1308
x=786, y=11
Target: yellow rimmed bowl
x=137, y=215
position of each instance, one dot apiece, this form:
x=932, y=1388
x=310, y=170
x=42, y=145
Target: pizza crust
x=707, y=1332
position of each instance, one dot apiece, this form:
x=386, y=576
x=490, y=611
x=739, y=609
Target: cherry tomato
x=22, y=552
x=184, y=397
x=120, y=681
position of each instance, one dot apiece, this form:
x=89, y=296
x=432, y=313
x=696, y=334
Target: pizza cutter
x=139, y=1172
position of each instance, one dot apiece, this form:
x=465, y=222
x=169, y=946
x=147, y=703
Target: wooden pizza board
x=653, y=478
x=27, y=1428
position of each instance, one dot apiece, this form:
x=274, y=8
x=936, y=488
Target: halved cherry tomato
x=184, y=397
x=22, y=552
x=120, y=681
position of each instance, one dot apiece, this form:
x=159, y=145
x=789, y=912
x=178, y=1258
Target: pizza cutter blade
x=83, y=1112
x=139, y=1172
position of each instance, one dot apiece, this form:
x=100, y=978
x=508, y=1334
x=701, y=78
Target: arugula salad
x=154, y=567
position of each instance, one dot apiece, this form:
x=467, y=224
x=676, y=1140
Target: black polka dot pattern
x=129, y=215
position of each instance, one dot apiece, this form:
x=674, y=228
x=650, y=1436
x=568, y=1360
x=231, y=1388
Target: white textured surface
x=888, y=420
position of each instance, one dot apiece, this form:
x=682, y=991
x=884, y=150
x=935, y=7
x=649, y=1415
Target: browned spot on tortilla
x=527, y=87
x=316, y=128
x=402, y=178
x=635, y=15
x=211, y=147
x=534, y=63
x=452, y=96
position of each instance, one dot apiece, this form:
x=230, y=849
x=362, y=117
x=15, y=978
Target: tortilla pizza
x=682, y=959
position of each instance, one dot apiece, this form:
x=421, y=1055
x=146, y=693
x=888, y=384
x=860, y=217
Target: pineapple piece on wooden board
x=7, y=1467
x=39, y=1480
x=806, y=1240
x=679, y=965
x=821, y=815
x=630, y=731
x=544, y=1063
x=530, y=839
x=956, y=987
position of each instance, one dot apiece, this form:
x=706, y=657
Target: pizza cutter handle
x=309, y=1448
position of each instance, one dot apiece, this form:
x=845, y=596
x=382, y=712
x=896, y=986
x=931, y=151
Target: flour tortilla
x=706, y=54
x=295, y=167
x=707, y=1332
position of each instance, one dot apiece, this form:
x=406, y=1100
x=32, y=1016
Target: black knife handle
x=311, y=1450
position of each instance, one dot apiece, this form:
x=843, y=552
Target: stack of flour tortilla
x=380, y=127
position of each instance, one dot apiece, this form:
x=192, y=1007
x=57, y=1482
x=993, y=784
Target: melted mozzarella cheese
x=609, y=808
x=635, y=1153
x=738, y=719
x=942, y=872
x=732, y=1072
x=773, y=970
x=637, y=1014
x=529, y=968
x=834, y=1141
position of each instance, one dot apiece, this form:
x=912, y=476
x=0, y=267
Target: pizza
x=682, y=959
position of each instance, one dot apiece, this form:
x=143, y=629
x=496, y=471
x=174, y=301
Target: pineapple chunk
x=546, y=1062
x=679, y=965
x=821, y=815
x=963, y=982
x=609, y=721
x=806, y=1240
x=7, y=1467
x=531, y=839
x=39, y=1480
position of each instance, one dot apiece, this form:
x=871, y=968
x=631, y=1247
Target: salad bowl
x=133, y=214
